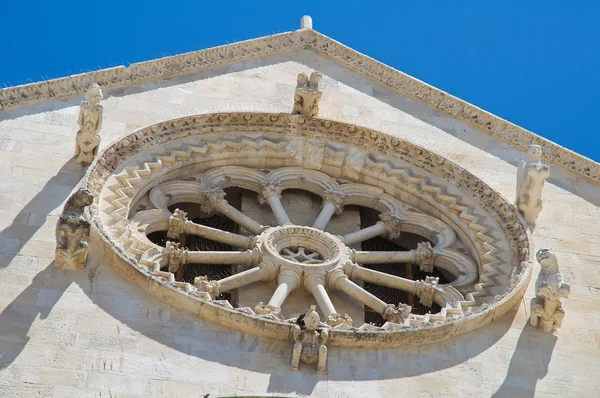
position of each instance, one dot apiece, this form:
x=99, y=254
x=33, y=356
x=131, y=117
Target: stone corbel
x=307, y=95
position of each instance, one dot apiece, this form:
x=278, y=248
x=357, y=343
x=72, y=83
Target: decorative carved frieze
x=90, y=122
x=531, y=176
x=72, y=232
x=12, y=97
x=547, y=312
x=307, y=96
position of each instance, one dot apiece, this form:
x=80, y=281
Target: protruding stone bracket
x=547, y=312
x=531, y=176
x=307, y=96
x=72, y=232
x=310, y=338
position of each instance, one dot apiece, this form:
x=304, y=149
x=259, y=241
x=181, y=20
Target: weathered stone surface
x=129, y=342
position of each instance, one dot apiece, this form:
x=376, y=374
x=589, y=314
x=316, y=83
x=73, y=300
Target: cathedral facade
x=288, y=217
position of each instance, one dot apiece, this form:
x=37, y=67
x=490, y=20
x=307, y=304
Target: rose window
x=250, y=219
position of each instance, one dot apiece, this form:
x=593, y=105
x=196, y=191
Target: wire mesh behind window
x=389, y=295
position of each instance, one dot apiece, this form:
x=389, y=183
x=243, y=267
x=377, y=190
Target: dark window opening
x=196, y=243
x=369, y=217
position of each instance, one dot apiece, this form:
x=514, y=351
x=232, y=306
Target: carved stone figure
x=531, y=176
x=72, y=232
x=547, y=312
x=310, y=337
x=307, y=96
x=90, y=122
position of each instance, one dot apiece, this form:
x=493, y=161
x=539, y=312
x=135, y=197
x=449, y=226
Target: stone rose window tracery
x=449, y=243
x=306, y=255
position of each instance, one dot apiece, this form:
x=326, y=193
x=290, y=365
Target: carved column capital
x=396, y=314
x=177, y=256
x=212, y=199
x=426, y=290
x=350, y=267
x=268, y=190
x=266, y=309
x=392, y=224
x=337, y=319
x=336, y=198
x=335, y=277
x=424, y=256
x=208, y=286
x=177, y=224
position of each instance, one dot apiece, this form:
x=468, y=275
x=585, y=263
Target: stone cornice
x=29, y=94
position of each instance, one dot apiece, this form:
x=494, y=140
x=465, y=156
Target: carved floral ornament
x=194, y=159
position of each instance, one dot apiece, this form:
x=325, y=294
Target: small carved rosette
x=90, y=122
x=531, y=176
x=547, y=312
x=72, y=232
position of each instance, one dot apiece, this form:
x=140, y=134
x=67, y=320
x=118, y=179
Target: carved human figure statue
x=72, y=232
x=310, y=336
x=90, y=122
x=547, y=312
x=307, y=96
x=531, y=176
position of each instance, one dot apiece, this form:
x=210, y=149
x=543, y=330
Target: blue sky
x=535, y=63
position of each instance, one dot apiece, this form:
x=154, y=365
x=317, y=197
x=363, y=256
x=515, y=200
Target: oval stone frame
x=500, y=239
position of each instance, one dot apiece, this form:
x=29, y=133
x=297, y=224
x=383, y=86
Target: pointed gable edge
x=75, y=85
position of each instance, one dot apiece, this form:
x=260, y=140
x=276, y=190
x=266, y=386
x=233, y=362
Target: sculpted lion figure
x=547, y=312
x=72, y=232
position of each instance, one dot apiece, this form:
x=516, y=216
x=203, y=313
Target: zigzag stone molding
x=196, y=61
x=498, y=233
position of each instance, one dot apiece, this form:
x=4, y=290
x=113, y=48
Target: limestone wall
x=95, y=334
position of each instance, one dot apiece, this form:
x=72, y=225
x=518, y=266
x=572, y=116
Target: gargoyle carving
x=307, y=96
x=310, y=336
x=90, y=121
x=547, y=312
x=531, y=176
x=72, y=232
